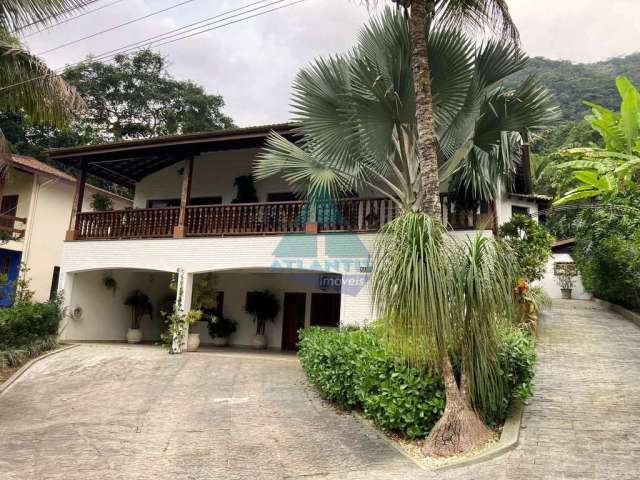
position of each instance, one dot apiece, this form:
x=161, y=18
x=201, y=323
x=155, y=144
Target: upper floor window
x=8, y=207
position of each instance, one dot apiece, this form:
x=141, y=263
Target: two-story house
x=34, y=217
x=190, y=213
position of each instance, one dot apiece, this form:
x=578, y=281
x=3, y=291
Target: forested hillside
x=573, y=82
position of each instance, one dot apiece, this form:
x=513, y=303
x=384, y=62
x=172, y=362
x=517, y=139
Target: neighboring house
x=315, y=258
x=35, y=206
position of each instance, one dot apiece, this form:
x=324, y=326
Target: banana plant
x=615, y=169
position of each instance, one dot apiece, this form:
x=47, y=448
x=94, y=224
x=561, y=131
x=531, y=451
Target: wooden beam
x=185, y=195
x=78, y=199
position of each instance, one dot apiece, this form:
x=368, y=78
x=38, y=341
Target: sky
x=252, y=63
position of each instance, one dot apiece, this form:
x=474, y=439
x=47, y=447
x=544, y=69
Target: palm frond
x=20, y=14
x=478, y=15
x=28, y=85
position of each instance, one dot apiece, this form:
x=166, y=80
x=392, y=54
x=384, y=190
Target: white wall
x=213, y=175
x=552, y=287
x=235, y=286
x=104, y=315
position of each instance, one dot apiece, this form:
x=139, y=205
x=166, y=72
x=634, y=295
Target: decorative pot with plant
x=263, y=307
x=565, y=274
x=220, y=329
x=193, y=339
x=140, y=306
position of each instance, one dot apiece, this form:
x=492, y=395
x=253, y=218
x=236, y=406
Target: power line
x=55, y=15
x=70, y=19
x=73, y=42
x=149, y=41
x=103, y=58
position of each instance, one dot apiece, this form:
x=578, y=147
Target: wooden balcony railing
x=123, y=224
x=246, y=219
x=347, y=215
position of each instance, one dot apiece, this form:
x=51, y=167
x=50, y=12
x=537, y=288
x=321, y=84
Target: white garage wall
x=104, y=315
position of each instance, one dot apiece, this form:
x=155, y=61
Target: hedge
x=26, y=323
x=352, y=369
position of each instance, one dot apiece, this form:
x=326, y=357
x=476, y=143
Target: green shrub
x=608, y=256
x=531, y=244
x=26, y=323
x=351, y=368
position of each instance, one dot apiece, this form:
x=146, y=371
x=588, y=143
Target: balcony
x=272, y=218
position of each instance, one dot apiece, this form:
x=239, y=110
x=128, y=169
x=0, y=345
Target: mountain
x=571, y=83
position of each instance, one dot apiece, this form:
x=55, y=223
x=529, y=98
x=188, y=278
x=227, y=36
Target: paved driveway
x=120, y=412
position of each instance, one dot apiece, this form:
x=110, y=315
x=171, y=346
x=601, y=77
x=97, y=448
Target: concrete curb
x=23, y=369
x=508, y=441
x=626, y=314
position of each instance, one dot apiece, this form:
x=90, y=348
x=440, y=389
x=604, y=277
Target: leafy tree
x=136, y=97
x=531, y=244
x=613, y=170
x=26, y=83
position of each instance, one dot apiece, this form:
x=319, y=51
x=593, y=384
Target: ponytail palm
x=436, y=297
x=26, y=83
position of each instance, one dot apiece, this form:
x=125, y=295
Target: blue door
x=9, y=266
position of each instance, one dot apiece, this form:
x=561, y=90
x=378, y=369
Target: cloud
x=253, y=63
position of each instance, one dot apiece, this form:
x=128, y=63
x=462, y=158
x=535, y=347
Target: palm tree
x=358, y=117
x=359, y=132
x=451, y=13
x=26, y=83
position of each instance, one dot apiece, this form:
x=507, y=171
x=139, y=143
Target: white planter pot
x=220, y=341
x=193, y=342
x=134, y=335
x=259, y=341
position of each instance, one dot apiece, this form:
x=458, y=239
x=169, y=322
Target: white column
x=185, y=301
x=65, y=285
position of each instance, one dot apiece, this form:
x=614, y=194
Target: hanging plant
x=110, y=284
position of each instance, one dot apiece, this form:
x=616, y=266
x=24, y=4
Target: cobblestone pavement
x=122, y=412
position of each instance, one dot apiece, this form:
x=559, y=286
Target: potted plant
x=193, y=339
x=566, y=283
x=220, y=329
x=140, y=305
x=263, y=307
x=565, y=272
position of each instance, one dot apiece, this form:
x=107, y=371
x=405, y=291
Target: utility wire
x=150, y=41
x=107, y=56
x=36, y=22
x=157, y=12
x=70, y=19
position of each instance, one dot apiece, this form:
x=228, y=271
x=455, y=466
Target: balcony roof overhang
x=127, y=162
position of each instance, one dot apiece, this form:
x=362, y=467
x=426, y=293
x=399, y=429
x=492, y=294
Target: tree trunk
x=459, y=429
x=421, y=10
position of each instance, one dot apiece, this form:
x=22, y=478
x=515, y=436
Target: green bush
x=351, y=368
x=27, y=323
x=531, y=244
x=608, y=256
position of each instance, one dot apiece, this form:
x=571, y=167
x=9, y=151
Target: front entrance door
x=292, y=319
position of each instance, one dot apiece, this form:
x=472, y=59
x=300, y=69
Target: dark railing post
x=78, y=199
x=179, y=230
